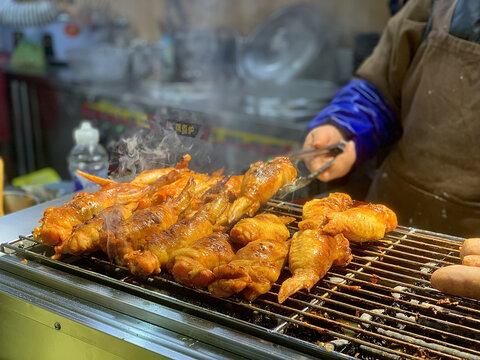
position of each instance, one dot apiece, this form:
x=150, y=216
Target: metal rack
x=380, y=306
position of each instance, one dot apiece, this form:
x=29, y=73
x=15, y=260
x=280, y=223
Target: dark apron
x=432, y=177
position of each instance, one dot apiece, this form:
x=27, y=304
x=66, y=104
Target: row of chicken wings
x=203, y=230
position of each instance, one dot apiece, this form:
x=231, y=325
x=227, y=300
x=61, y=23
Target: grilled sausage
x=459, y=280
x=471, y=260
x=470, y=247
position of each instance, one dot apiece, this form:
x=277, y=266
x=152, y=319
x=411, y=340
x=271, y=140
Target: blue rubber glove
x=361, y=112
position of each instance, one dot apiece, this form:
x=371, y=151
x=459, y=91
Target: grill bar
x=429, y=236
x=354, y=319
x=414, y=306
x=380, y=305
x=389, y=273
x=431, y=247
x=377, y=305
x=412, y=254
x=356, y=330
x=416, y=296
x=393, y=258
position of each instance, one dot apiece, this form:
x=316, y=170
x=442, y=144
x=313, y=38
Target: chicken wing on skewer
x=145, y=178
x=58, y=222
x=207, y=189
x=362, y=223
x=315, y=211
x=131, y=233
x=259, y=184
x=262, y=226
x=158, y=247
x=193, y=265
x=203, y=182
x=85, y=238
x=252, y=271
x=148, y=177
x=311, y=256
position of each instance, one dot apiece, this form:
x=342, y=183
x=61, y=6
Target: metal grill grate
x=380, y=306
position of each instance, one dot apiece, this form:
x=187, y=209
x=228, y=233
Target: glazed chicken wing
x=193, y=265
x=131, y=234
x=252, y=271
x=58, y=222
x=234, y=186
x=262, y=226
x=259, y=184
x=362, y=223
x=311, y=256
x=148, y=177
x=158, y=247
x=145, y=178
x=207, y=191
x=85, y=238
x=203, y=182
x=315, y=211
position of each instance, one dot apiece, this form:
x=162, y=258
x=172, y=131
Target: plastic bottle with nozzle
x=87, y=155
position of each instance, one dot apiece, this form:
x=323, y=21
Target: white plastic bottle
x=88, y=155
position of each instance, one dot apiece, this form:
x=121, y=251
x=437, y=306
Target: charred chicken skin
x=262, y=226
x=311, y=256
x=234, y=186
x=193, y=265
x=362, y=223
x=259, y=184
x=157, y=248
x=252, y=271
x=315, y=211
x=132, y=233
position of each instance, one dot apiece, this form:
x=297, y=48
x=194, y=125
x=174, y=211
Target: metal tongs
x=328, y=151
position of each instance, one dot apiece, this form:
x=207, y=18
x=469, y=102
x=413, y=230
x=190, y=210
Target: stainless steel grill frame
x=380, y=306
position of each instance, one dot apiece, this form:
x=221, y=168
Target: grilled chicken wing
x=193, y=265
x=207, y=191
x=234, y=186
x=58, y=222
x=311, y=256
x=148, y=177
x=252, y=271
x=315, y=211
x=96, y=179
x=362, y=223
x=259, y=184
x=85, y=237
x=145, y=178
x=132, y=233
x=203, y=182
x=262, y=226
x=158, y=247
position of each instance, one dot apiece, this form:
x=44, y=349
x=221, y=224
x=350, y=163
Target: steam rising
x=153, y=149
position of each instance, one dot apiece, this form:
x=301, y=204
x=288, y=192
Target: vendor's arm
x=366, y=110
